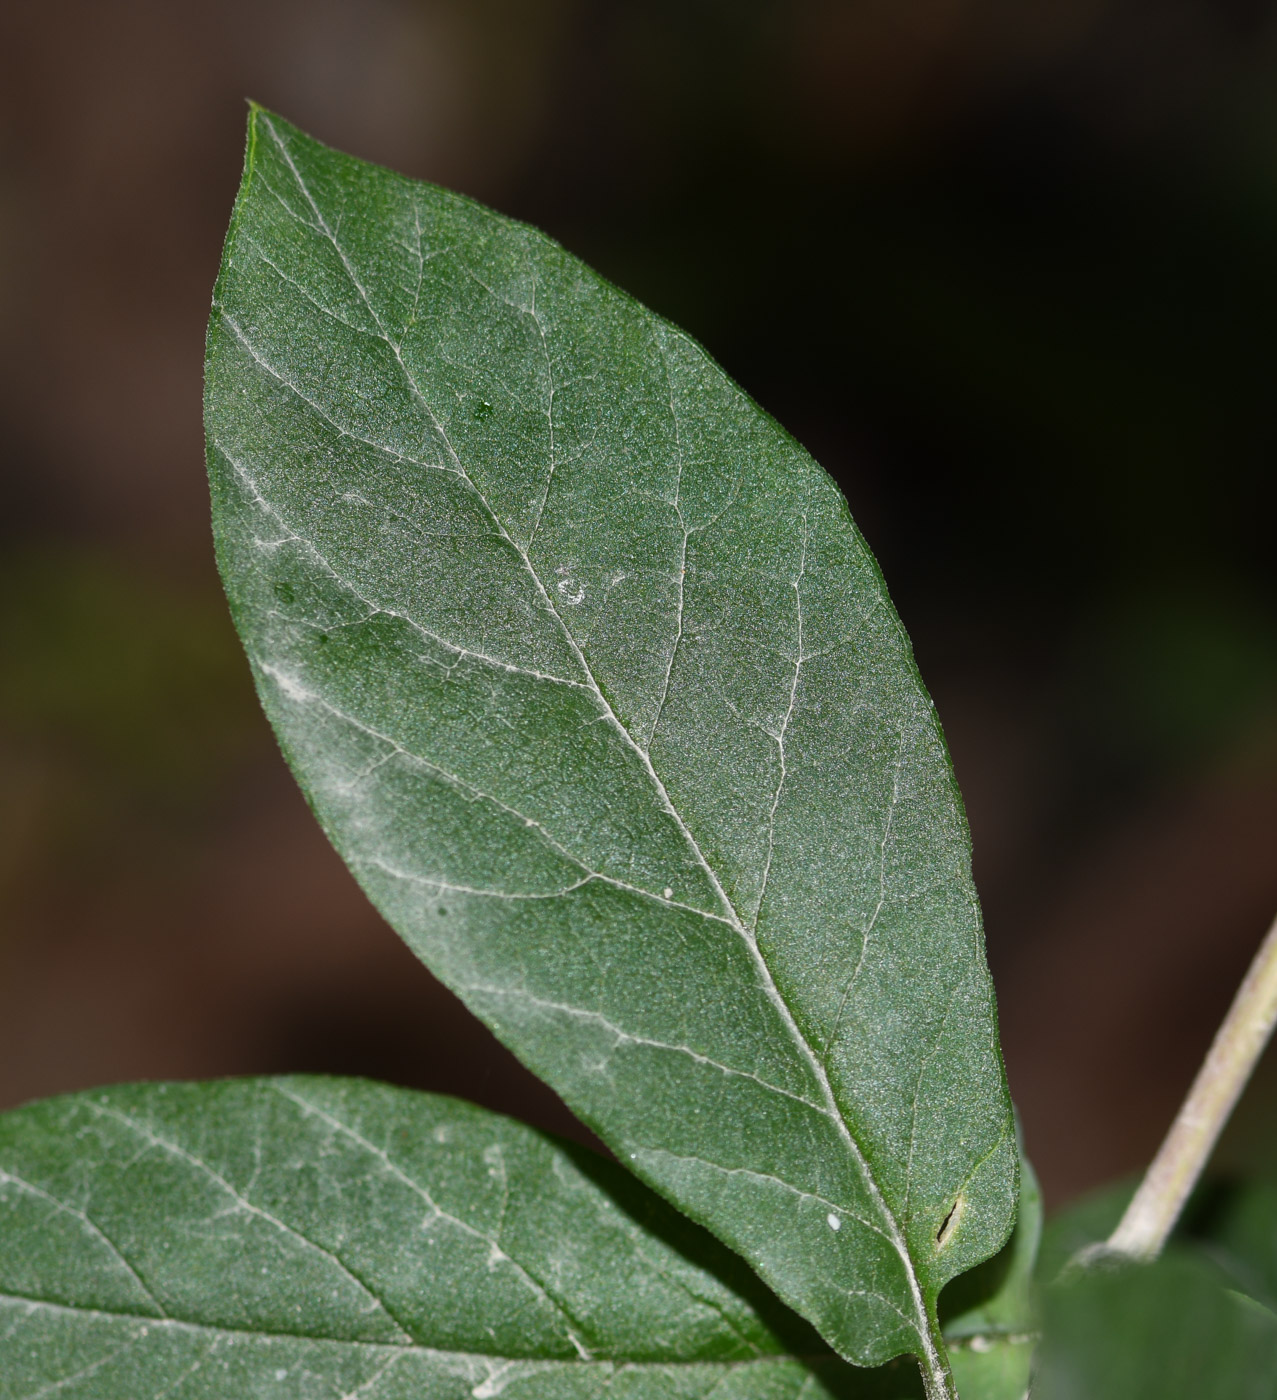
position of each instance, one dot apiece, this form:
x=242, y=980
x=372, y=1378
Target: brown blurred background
x=1010, y=271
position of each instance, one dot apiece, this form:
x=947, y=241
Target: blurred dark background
x=1008, y=270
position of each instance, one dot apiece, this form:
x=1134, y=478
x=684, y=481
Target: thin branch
x=1238, y=1044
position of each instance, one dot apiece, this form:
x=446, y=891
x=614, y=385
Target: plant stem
x=1238, y=1044
x=937, y=1379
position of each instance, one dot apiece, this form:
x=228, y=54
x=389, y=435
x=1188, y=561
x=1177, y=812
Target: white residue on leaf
x=497, y=1380
x=570, y=590
x=290, y=685
x=834, y=1222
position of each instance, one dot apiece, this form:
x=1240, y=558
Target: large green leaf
x=588, y=675
x=1163, y=1331
x=1198, y=1323
x=324, y=1238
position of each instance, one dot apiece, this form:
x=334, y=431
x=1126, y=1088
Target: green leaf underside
x=335, y=1238
x=590, y=679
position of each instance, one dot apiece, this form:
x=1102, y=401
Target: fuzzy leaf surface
x=589, y=677
x=310, y=1239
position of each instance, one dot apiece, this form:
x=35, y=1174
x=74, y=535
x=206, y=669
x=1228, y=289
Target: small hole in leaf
x=950, y=1223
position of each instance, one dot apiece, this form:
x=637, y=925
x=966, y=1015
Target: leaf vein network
x=242, y=1202
x=90, y=1224
x=921, y=1324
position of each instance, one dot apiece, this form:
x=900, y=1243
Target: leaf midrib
x=832, y=1110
